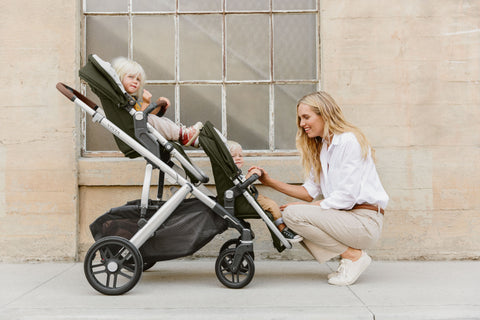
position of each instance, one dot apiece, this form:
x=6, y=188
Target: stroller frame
x=121, y=261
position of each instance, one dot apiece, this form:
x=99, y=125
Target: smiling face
x=131, y=83
x=309, y=121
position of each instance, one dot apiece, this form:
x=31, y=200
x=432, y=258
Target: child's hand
x=147, y=97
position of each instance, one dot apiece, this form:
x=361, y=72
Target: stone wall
x=406, y=72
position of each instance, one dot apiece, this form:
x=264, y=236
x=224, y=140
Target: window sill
x=113, y=170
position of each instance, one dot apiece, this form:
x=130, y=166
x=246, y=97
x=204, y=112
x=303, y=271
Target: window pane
x=201, y=47
x=107, y=5
x=247, y=115
x=294, y=5
x=200, y=5
x=295, y=46
x=239, y=5
x=107, y=36
x=248, y=47
x=286, y=98
x=201, y=103
x=98, y=138
x=167, y=91
x=154, y=46
x=153, y=5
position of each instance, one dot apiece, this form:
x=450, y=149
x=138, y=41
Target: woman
x=339, y=163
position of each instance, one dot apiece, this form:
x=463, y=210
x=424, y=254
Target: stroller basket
x=132, y=237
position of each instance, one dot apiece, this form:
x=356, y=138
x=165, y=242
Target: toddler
x=266, y=203
x=133, y=78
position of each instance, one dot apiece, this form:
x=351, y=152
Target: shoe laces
x=342, y=268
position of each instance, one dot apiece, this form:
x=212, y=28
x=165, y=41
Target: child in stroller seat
x=133, y=77
x=266, y=203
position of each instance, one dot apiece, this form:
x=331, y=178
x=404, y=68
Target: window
x=241, y=64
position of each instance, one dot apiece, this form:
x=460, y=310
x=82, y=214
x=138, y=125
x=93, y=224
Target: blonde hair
x=325, y=106
x=124, y=67
x=233, y=145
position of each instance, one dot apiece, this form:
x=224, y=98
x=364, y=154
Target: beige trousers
x=328, y=233
x=167, y=128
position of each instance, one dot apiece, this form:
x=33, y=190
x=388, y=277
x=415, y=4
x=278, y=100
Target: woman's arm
x=291, y=190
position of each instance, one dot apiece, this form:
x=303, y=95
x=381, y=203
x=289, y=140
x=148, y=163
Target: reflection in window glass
x=247, y=115
x=201, y=103
x=106, y=36
x=155, y=51
x=248, y=52
x=167, y=92
x=295, y=46
x=252, y=5
x=200, y=5
x=153, y=5
x=107, y=5
x=294, y=5
x=242, y=68
x=286, y=98
x=201, y=47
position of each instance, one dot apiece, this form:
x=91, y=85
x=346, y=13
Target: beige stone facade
x=406, y=72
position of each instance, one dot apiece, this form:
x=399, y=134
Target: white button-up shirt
x=346, y=178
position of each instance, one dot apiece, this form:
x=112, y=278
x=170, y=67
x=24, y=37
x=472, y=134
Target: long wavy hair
x=335, y=123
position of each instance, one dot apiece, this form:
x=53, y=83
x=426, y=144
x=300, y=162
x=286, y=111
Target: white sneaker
x=349, y=271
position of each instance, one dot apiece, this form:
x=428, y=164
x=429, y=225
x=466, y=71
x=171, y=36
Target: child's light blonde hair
x=233, y=145
x=124, y=67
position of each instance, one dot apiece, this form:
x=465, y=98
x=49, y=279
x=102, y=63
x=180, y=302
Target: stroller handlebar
x=73, y=94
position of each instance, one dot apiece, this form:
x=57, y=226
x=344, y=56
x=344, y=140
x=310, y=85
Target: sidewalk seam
x=36, y=287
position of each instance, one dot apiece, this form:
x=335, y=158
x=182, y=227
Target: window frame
x=224, y=82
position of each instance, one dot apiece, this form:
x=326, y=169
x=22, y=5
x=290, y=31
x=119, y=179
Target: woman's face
x=310, y=122
x=131, y=82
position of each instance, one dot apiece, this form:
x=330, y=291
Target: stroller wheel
x=229, y=277
x=232, y=244
x=229, y=244
x=113, y=265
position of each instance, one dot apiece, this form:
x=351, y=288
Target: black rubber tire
x=229, y=244
x=113, y=265
x=238, y=279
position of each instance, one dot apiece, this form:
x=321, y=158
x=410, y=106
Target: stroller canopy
x=104, y=82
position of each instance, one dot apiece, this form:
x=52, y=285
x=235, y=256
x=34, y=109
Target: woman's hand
x=252, y=171
x=263, y=175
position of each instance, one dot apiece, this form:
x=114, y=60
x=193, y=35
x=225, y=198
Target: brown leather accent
x=368, y=207
x=73, y=94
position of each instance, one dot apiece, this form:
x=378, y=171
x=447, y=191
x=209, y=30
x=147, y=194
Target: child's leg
x=187, y=136
x=167, y=128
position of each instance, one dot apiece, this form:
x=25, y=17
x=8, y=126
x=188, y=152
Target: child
x=266, y=203
x=133, y=78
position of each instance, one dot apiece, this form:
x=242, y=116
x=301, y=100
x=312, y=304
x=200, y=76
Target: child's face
x=131, y=83
x=237, y=155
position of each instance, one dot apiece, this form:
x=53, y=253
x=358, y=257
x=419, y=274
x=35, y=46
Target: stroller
x=131, y=238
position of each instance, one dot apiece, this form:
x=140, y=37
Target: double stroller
x=131, y=238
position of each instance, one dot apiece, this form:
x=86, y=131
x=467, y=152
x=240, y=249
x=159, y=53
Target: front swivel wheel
x=113, y=265
x=231, y=277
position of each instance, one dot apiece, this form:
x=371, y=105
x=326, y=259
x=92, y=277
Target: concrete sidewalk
x=189, y=289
